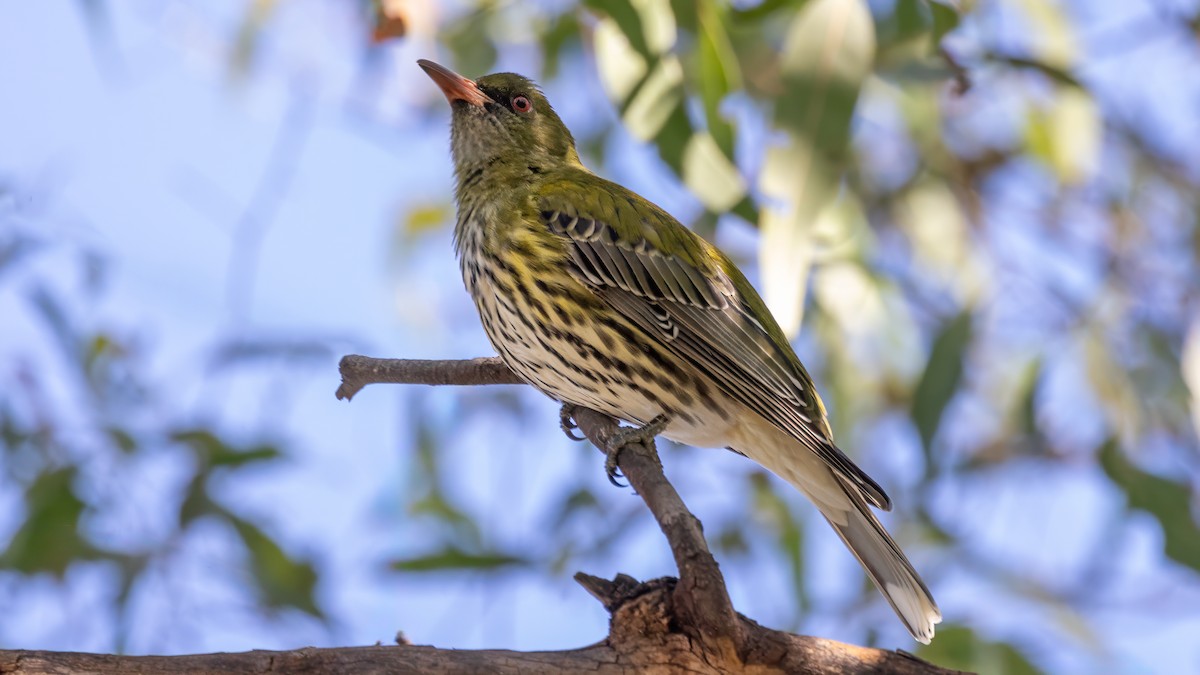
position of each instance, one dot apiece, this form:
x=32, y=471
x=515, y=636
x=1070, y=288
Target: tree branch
x=663, y=625
x=799, y=655
x=700, y=598
x=698, y=603
x=359, y=371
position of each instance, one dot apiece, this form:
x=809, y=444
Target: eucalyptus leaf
x=451, y=558
x=49, y=539
x=719, y=73
x=945, y=19
x=827, y=54
x=281, y=580
x=959, y=647
x=1169, y=502
x=939, y=382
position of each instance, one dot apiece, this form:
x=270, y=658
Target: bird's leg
x=629, y=436
x=566, y=421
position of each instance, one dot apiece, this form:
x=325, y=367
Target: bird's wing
x=696, y=302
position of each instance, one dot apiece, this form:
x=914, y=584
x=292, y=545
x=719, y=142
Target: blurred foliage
x=986, y=252
x=881, y=197
x=84, y=420
x=940, y=380
x=958, y=647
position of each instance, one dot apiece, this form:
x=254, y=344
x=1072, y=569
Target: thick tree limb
x=652, y=650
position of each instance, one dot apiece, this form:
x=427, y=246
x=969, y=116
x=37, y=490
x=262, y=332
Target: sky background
x=139, y=145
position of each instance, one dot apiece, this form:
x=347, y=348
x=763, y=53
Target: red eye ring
x=522, y=104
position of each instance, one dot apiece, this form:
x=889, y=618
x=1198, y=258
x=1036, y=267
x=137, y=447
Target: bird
x=600, y=299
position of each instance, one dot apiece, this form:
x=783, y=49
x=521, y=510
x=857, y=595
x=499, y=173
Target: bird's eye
x=522, y=104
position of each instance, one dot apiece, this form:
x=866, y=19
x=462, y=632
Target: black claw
x=610, y=467
x=567, y=423
x=569, y=428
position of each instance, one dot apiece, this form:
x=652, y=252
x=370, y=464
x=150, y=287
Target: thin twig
x=962, y=78
x=359, y=371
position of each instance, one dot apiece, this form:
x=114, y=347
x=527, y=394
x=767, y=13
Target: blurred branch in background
x=87, y=427
x=269, y=193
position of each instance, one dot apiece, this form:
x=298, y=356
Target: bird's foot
x=566, y=421
x=630, y=436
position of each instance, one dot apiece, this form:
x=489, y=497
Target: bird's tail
x=847, y=511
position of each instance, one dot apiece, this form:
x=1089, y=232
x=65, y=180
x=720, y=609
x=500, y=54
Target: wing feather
x=702, y=318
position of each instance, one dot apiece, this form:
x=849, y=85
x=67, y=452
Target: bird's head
x=502, y=119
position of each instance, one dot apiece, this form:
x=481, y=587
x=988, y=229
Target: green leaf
x=122, y=439
x=12, y=435
x=281, y=580
x=646, y=81
x=827, y=54
x=436, y=506
x=910, y=19
x=131, y=568
x=1027, y=420
x=654, y=110
x=579, y=500
x=710, y=175
x=562, y=30
x=474, y=49
x=241, y=456
x=204, y=443
x=625, y=18
x=1057, y=74
x=211, y=451
x=196, y=502
x=622, y=69
x=945, y=19
x=1168, y=501
x=453, y=558
x=731, y=540
x=649, y=25
x=796, y=188
x=960, y=648
x=718, y=73
x=765, y=9
x=49, y=539
x=940, y=380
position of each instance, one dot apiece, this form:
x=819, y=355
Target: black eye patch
x=503, y=99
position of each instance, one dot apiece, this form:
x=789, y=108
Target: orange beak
x=454, y=86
